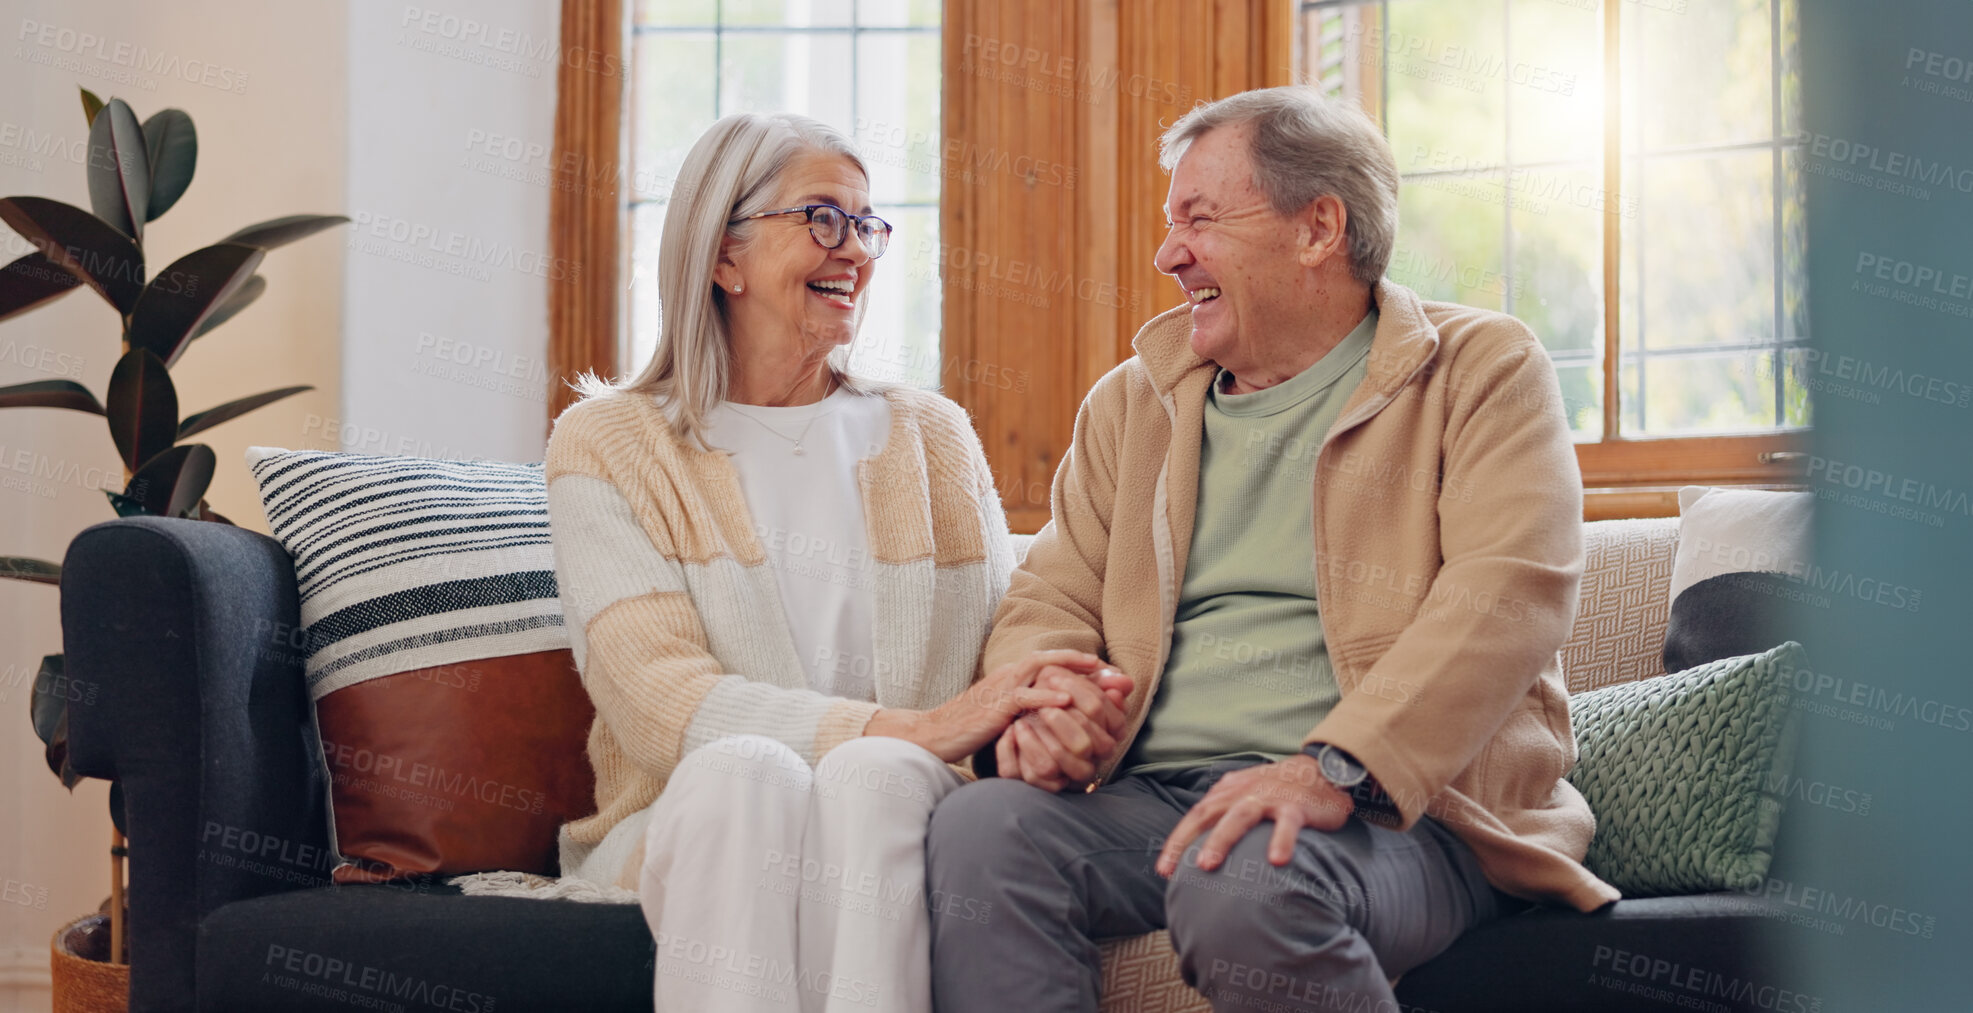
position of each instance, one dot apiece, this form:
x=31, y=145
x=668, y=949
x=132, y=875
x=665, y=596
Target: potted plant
x=136, y=172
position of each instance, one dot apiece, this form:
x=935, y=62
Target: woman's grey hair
x=1306, y=146
x=731, y=172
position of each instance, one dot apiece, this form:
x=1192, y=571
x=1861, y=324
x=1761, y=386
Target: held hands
x=1291, y=792
x=1054, y=748
x=961, y=726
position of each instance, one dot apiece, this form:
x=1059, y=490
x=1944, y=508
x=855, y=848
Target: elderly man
x=1334, y=533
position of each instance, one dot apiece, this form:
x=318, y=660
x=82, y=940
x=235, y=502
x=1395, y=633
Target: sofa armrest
x=181, y=649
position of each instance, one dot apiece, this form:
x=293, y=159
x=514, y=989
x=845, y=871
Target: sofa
x=231, y=908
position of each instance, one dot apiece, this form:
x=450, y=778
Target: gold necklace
x=796, y=440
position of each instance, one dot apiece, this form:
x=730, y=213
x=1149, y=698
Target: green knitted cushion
x=1677, y=769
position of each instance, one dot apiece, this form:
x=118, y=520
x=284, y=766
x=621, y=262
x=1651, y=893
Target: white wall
x=423, y=327
x=451, y=122
x=272, y=141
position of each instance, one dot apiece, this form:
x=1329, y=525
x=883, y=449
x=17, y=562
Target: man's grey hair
x=1305, y=146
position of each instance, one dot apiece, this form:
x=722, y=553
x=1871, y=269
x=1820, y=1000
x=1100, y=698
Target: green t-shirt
x=1249, y=673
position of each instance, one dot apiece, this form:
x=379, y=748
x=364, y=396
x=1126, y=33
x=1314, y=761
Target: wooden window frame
x=586, y=208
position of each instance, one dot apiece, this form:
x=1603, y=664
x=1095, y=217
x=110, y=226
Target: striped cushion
x=407, y=563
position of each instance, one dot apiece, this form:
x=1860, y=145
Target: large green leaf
x=91, y=105
x=48, y=707
x=173, y=148
x=119, y=169
x=172, y=483
x=57, y=753
x=143, y=407
x=183, y=295
x=50, y=394
x=232, y=410
x=35, y=571
x=234, y=304
x=124, y=505
x=31, y=281
x=279, y=231
x=81, y=244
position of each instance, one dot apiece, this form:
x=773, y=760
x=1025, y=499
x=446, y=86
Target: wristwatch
x=1338, y=767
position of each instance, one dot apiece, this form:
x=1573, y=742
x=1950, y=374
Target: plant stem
x=116, y=896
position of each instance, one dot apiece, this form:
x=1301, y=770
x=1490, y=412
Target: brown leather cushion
x=469, y=767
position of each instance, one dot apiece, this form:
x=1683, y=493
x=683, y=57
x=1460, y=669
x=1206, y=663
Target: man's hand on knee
x=1291, y=792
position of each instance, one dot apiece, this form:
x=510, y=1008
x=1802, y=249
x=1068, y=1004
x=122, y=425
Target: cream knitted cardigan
x=675, y=617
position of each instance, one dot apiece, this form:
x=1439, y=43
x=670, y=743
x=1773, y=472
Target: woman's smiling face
x=788, y=281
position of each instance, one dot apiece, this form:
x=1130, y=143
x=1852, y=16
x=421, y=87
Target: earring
x=739, y=287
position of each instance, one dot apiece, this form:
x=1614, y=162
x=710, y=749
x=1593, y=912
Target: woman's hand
x=959, y=727
x=1062, y=747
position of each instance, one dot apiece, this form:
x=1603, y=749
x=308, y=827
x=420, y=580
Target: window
x=1670, y=212
x=870, y=68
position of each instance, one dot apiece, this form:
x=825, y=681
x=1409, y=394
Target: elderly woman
x=777, y=579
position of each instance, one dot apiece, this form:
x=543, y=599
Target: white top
x=808, y=514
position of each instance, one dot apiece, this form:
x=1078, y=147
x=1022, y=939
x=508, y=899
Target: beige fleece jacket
x=1448, y=541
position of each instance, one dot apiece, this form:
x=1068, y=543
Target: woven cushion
x=1677, y=769
x=1619, y=634
x=1140, y=975
x=452, y=717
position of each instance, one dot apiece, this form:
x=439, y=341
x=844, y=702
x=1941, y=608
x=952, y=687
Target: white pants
x=771, y=886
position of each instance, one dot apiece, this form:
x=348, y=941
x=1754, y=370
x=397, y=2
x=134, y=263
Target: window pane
x=1707, y=393
x=1494, y=109
x=889, y=13
x=646, y=225
x=1791, y=67
x=787, y=13
x=1797, y=403
x=1697, y=73
x=692, y=13
x=1558, y=255
x=1444, y=66
x=1450, y=240
x=880, y=86
x=670, y=107
x=1341, y=51
x=1582, y=399
x=1703, y=247
x=1555, y=107
x=898, y=128
x=1557, y=249
x=1794, y=248
x=788, y=72
x=899, y=338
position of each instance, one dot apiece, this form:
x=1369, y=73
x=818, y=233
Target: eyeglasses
x=830, y=225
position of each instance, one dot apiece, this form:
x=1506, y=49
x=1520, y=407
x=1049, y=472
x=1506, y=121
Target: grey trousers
x=1023, y=882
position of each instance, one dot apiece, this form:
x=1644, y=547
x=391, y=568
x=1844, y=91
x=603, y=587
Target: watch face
x=1341, y=771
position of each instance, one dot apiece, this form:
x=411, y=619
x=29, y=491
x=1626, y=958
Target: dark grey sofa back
x=179, y=637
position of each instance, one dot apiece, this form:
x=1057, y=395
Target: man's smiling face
x=1232, y=253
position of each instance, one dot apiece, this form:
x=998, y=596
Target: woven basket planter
x=82, y=985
